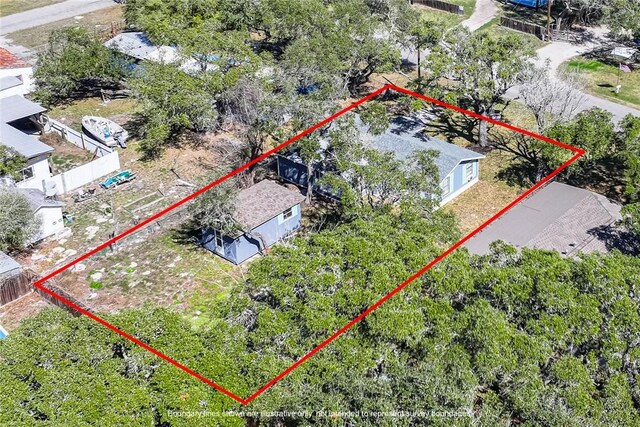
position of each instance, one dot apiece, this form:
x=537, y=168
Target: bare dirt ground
x=14, y=313
x=164, y=267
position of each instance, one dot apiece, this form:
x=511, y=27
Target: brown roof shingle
x=261, y=202
x=556, y=217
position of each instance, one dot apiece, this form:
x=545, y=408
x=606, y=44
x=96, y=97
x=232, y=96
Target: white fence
x=79, y=138
x=89, y=172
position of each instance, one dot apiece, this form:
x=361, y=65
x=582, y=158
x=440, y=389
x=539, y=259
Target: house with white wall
x=16, y=75
x=17, y=112
x=47, y=210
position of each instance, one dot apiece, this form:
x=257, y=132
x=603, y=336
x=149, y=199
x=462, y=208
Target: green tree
x=216, y=208
x=76, y=64
x=11, y=162
x=425, y=33
x=172, y=102
x=62, y=370
x=623, y=17
x=524, y=337
x=592, y=130
x=18, y=223
x=482, y=67
x=629, y=143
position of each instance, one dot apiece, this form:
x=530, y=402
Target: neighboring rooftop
x=16, y=107
x=137, y=45
x=9, y=60
x=261, y=202
x=7, y=82
x=8, y=266
x=26, y=145
x=38, y=200
x=556, y=217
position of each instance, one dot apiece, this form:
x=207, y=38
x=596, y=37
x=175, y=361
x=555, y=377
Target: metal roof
x=8, y=82
x=557, y=217
x=261, y=202
x=7, y=264
x=38, y=200
x=15, y=107
x=137, y=45
x=26, y=145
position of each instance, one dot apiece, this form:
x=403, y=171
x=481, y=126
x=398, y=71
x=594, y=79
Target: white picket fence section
x=87, y=173
x=78, y=138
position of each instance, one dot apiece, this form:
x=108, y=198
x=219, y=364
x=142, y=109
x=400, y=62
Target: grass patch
x=487, y=197
x=495, y=29
x=63, y=162
x=450, y=19
x=95, y=285
x=602, y=78
x=9, y=7
x=71, y=114
x=99, y=21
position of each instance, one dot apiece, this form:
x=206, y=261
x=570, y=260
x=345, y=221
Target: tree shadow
x=616, y=238
x=606, y=177
x=452, y=126
x=135, y=125
x=187, y=233
x=518, y=174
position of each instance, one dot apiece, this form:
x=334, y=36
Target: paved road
x=556, y=53
x=55, y=12
x=484, y=12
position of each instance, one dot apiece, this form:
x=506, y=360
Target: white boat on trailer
x=106, y=131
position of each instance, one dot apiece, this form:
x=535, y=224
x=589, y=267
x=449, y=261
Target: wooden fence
x=16, y=286
x=53, y=287
x=441, y=5
x=21, y=284
x=524, y=27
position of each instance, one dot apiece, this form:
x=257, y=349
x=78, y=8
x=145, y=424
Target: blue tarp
x=530, y=3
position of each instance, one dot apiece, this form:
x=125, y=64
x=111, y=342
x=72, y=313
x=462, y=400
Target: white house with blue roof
x=458, y=167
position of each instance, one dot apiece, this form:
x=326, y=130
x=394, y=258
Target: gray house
x=268, y=212
x=458, y=167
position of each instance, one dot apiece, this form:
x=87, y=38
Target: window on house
x=468, y=171
x=219, y=241
x=287, y=214
x=26, y=173
x=446, y=186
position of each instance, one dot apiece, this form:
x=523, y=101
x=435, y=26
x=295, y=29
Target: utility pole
x=419, y=72
x=549, y=19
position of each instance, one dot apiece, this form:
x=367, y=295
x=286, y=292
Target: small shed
x=266, y=212
x=48, y=210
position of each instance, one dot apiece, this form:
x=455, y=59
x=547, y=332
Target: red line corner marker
x=39, y=284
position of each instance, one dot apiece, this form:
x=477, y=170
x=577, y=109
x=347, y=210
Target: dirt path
x=484, y=12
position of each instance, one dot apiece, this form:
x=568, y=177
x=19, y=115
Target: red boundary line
x=39, y=284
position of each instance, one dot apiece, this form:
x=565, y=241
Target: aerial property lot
x=355, y=302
